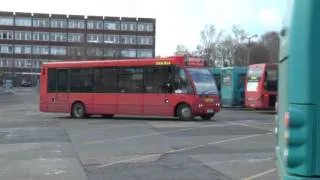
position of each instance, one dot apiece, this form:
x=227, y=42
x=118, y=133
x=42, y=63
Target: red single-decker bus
x=261, y=86
x=143, y=87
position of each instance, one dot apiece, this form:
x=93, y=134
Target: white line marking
x=154, y=134
x=184, y=149
x=260, y=174
x=249, y=125
x=129, y=160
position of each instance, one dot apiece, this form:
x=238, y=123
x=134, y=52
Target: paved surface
x=234, y=145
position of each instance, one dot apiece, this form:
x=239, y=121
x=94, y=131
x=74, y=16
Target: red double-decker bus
x=150, y=87
x=261, y=86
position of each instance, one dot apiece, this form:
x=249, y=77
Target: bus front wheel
x=184, y=112
x=207, y=116
x=78, y=111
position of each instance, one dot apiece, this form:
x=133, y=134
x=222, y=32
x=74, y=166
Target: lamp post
x=249, y=46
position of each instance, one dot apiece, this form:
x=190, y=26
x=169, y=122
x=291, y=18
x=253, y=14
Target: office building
x=29, y=39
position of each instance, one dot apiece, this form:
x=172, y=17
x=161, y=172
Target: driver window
x=181, y=83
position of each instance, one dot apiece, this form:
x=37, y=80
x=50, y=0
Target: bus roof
x=178, y=60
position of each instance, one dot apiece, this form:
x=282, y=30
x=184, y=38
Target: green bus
x=298, y=110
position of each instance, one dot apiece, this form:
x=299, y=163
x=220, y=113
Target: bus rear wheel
x=184, y=112
x=207, y=116
x=78, y=111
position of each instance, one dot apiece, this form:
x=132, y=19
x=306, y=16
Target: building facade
x=29, y=39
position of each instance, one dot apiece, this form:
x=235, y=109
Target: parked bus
x=150, y=87
x=232, y=86
x=216, y=72
x=261, y=86
x=297, y=130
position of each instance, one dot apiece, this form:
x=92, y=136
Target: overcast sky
x=177, y=21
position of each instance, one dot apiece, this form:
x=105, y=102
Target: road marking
x=184, y=149
x=250, y=125
x=154, y=134
x=260, y=174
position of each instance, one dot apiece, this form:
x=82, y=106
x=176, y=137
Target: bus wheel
x=207, y=116
x=107, y=115
x=78, y=111
x=184, y=112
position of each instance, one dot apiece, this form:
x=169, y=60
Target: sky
x=177, y=21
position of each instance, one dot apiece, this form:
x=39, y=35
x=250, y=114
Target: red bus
x=148, y=87
x=261, y=86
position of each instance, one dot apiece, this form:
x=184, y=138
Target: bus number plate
x=210, y=111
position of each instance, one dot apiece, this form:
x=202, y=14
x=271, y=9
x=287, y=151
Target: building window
x=23, y=21
x=81, y=80
x=131, y=80
x=111, y=39
x=94, y=24
x=94, y=52
x=148, y=27
x=145, y=53
x=40, y=22
x=75, y=52
x=7, y=21
x=75, y=37
x=6, y=35
x=145, y=40
x=112, y=25
x=76, y=24
x=111, y=53
x=129, y=53
x=125, y=39
x=41, y=36
x=58, y=23
x=22, y=63
x=40, y=50
x=6, y=48
x=22, y=49
x=128, y=26
x=58, y=50
x=23, y=35
x=60, y=37
x=94, y=38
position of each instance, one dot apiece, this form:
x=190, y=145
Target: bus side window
x=52, y=81
x=157, y=79
x=181, y=83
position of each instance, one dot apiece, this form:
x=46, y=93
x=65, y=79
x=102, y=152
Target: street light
x=249, y=45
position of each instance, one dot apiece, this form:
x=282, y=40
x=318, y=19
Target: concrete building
x=29, y=39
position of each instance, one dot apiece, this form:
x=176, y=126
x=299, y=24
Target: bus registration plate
x=210, y=111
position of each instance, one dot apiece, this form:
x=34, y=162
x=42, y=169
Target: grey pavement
x=233, y=145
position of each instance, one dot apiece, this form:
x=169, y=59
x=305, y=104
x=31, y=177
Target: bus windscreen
x=203, y=81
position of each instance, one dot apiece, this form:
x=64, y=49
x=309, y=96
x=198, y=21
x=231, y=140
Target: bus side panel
x=43, y=100
x=158, y=104
x=130, y=103
x=85, y=98
x=105, y=103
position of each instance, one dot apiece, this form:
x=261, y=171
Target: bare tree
x=181, y=50
x=271, y=40
x=259, y=53
x=209, y=41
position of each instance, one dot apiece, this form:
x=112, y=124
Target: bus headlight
x=200, y=105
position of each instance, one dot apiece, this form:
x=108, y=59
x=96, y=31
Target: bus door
x=130, y=98
x=227, y=93
x=58, y=90
x=241, y=87
x=157, y=88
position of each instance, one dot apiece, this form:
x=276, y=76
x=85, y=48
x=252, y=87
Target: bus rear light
x=286, y=119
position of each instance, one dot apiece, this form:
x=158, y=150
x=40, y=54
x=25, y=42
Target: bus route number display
x=163, y=63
